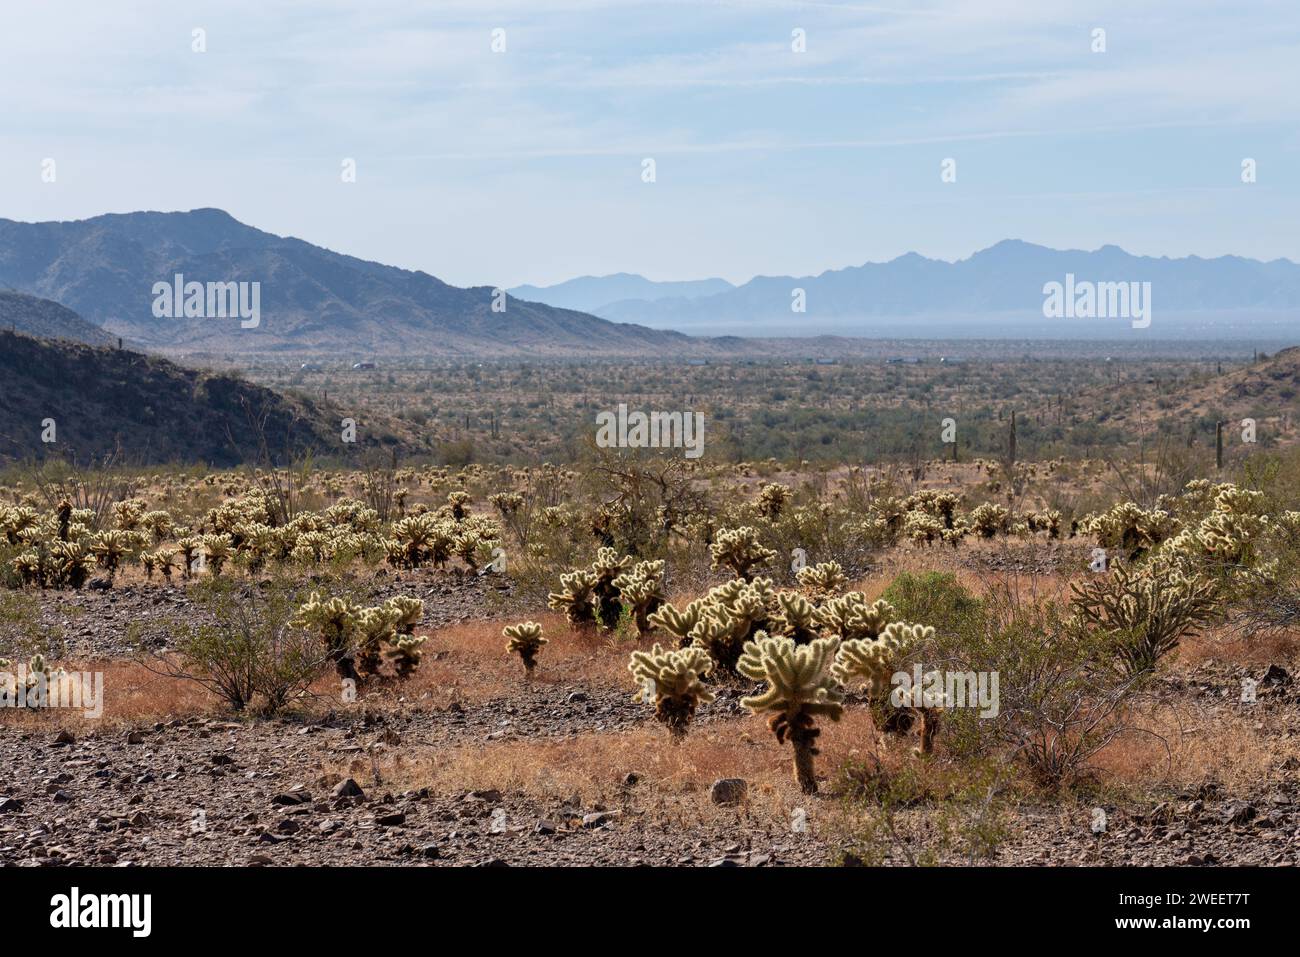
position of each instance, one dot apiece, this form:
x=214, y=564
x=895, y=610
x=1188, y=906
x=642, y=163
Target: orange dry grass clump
x=595, y=764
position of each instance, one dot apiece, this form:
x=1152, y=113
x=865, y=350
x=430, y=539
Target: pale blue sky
x=525, y=166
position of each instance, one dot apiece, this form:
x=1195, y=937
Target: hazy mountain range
x=313, y=300
x=995, y=293
x=310, y=298
x=601, y=294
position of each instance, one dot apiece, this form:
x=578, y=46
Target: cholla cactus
x=795, y=618
x=740, y=550
x=1147, y=610
x=164, y=559
x=989, y=519
x=679, y=624
x=409, y=612
x=642, y=589
x=822, y=581
x=800, y=688
x=457, y=502
x=577, y=598
x=405, y=654
x=1047, y=520
x=217, y=550
x=672, y=680
x=938, y=505
x=850, y=616
x=109, y=548
x=525, y=640
x=507, y=503
x=773, y=498
x=373, y=628
x=875, y=661
x=70, y=564
x=607, y=568
x=335, y=621
x=187, y=546
x=922, y=528
x=734, y=614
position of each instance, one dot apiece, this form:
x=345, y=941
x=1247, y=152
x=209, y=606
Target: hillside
x=310, y=299
x=157, y=411
x=41, y=317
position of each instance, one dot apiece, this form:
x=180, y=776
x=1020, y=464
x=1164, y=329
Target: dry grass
x=1217, y=743
x=468, y=663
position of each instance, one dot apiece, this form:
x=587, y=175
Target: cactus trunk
x=803, y=763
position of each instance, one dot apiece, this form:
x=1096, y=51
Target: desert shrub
x=1059, y=701
x=248, y=645
x=936, y=598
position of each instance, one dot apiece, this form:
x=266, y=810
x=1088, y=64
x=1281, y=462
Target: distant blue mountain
x=593, y=293
x=996, y=292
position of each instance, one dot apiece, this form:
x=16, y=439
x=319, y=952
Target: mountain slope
x=975, y=296
x=596, y=293
x=311, y=299
x=20, y=312
x=158, y=412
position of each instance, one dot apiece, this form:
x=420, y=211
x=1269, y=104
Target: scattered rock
x=64, y=738
x=291, y=798
x=348, y=788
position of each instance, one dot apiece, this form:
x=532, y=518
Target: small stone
x=491, y=796
x=431, y=851
x=10, y=805
x=134, y=737
x=391, y=820
x=599, y=819
x=578, y=697
x=728, y=792
x=64, y=737
x=348, y=788
x=291, y=798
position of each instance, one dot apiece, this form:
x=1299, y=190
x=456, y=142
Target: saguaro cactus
x=525, y=640
x=672, y=678
x=800, y=688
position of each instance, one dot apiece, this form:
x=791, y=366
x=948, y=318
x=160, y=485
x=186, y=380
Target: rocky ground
x=347, y=785
x=207, y=790
x=97, y=622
